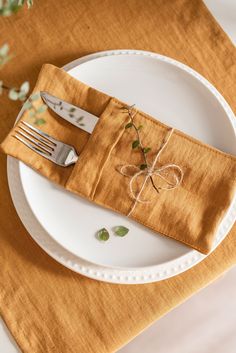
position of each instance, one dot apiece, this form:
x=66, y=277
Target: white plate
x=64, y=225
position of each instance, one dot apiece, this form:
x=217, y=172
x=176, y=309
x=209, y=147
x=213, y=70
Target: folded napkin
x=195, y=182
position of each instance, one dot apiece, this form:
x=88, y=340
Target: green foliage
x=128, y=126
x=143, y=166
x=146, y=149
x=121, y=231
x=4, y=54
x=9, y=7
x=35, y=113
x=103, y=234
x=19, y=94
x=135, y=144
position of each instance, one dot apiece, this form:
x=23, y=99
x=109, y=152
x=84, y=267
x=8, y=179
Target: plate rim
x=105, y=273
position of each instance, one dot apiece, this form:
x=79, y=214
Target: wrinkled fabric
x=204, y=192
x=47, y=307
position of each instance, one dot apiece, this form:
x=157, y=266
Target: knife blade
x=74, y=115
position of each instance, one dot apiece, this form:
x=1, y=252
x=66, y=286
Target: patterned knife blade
x=74, y=115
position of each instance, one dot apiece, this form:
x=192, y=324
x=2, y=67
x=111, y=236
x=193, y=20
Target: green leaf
x=32, y=114
x=40, y=122
x=121, y=231
x=143, y=166
x=4, y=50
x=24, y=88
x=72, y=110
x=41, y=109
x=22, y=96
x=29, y=3
x=146, y=149
x=34, y=96
x=103, y=234
x=128, y=126
x=135, y=144
x=13, y=95
x=27, y=105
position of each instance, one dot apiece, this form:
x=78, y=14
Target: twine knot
x=164, y=171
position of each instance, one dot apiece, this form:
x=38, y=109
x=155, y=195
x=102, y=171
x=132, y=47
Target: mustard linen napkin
x=47, y=307
x=190, y=213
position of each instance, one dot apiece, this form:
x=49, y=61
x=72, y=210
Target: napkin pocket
x=190, y=213
x=97, y=152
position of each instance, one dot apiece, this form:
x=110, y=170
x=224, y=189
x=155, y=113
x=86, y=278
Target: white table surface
x=206, y=322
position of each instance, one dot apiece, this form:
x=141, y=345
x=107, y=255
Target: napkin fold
x=190, y=212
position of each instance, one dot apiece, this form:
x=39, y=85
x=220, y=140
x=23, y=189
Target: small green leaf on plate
x=135, y=144
x=103, y=234
x=121, y=231
x=128, y=126
x=72, y=110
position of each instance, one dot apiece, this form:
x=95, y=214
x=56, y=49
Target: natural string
x=150, y=171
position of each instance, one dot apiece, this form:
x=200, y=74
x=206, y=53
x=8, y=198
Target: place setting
x=112, y=178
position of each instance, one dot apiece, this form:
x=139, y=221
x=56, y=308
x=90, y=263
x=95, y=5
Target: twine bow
x=151, y=171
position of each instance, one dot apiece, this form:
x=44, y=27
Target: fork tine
x=35, y=142
x=32, y=147
x=37, y=137
x=41, y=133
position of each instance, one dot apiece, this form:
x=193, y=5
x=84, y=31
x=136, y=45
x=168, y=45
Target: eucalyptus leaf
x=41, y=109
x=103, y=234
x=40, y=122
x=13, y=95
x=35, y=96
x=4, y=50
x=22, y=96
x=29, y=3
x=121, y=231
x=27, y=105
x=32, y=114
x=24, y=88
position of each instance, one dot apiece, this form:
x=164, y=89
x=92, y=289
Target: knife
x=74, y=115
